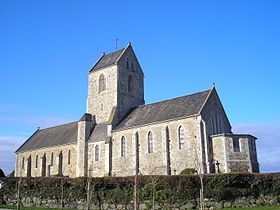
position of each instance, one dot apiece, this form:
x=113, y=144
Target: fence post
x=62, y=192
x=18, y=193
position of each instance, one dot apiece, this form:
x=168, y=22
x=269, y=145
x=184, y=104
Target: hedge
x=168, y=189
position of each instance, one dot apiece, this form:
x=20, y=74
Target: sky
x=47, y=48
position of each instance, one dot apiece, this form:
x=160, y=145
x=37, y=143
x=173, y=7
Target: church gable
x=214, y=115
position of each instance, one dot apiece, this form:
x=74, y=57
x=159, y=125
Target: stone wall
x=148, y=204
x=129, y=67
x=96, y=168
x=101, y=104
x=117, y=93
x=215, y=121
x=155, y=162
x=244, y=160
x=51, y=168
x=219, y=153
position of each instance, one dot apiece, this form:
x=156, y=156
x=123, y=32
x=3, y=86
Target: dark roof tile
x=53, y=136
x=165, y=110
x=108, y=60
x=99, y=133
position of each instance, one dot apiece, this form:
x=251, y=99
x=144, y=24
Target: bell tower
x=115, y=86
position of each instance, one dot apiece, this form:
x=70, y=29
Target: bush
x=188, y=171
x=168, y=189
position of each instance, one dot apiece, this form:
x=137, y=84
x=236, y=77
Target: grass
x=30, y=208
x=259, y=208
x=251, y=208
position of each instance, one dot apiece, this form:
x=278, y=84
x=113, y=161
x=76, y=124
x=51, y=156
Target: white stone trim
x=125, y=148
x=178, y=137
x=206, y=146
x=153, y=140
x=225, y=154
x=246, y=141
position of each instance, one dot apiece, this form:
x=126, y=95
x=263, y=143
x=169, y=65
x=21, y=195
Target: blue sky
x=47, y=48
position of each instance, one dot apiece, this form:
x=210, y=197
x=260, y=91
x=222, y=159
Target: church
x=120, y=135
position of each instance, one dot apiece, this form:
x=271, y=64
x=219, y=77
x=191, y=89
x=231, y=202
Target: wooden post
x=88, y=192
x=18, y=193
x=154, y=197
x=135, y=192
x=62, y=192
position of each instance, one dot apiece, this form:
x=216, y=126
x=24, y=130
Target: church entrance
x=29, y=166
x=43, y=172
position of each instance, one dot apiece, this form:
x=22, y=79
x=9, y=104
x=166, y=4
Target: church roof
x=108, y=60
x=99, y=133
x=167, y=110
x=53, y=136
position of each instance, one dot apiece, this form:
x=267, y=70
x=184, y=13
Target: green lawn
x=260, y=208
x=252, y=208
x=29, y=208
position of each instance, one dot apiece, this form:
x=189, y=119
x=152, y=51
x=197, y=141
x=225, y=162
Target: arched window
x=96, y=153
x=123, y=152
x=36, y=162
x=69, y=157
x=102, y=83
x=150, y=142
x=181, y=137
x=130, y=84
x=52, y=159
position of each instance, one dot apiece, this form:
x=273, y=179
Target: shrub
x=188, y=171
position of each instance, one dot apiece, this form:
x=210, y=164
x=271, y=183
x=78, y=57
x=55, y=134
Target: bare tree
x=62, y=192
x=200, y=171
x=135, y=192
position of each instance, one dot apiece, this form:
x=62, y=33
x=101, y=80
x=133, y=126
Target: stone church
x=120, y=135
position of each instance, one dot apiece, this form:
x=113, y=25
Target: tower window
x=102, y=83
x=150, y=142
x=96, y=153
x=130, y=84
x=181, y=137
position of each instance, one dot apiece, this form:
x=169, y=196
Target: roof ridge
x=105, y=57
x=124, y=49
x=173, y=98
x=119, y=50
x=55, y=126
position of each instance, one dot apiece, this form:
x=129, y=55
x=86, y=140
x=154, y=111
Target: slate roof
x=53, y=136
x=165, y=110
x=108, y=60
x=99, y=133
